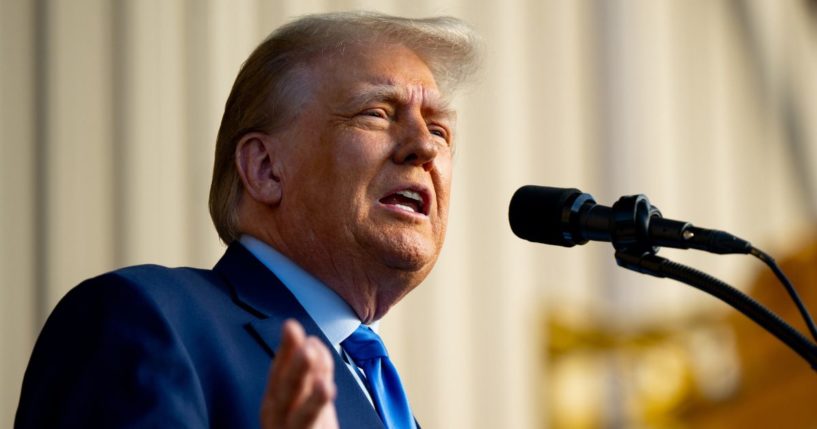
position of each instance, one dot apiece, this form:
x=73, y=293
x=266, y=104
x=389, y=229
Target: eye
x=375, y=113
x=438, y=131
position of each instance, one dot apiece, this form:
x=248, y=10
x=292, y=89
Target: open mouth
x=407, y=200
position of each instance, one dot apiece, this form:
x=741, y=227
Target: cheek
x=357, y=161
x=442, y=176
x=360, y=149
x=444, y=170
x=443, y=188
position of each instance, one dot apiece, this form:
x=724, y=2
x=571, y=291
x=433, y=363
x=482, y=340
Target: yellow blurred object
x=662, y=379
x=604, y=378
x=576, y=397
x=705, y=373
x=777, y=387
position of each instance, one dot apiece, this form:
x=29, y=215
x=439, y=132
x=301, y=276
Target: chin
x=410, y=264
x=411, y=250
x=416, y=258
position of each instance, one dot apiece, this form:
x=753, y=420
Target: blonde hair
x=264, y=95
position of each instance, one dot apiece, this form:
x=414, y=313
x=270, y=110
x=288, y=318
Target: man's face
x=367, y=171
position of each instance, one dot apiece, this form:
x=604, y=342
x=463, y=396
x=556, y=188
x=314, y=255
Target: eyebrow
x=393, y=93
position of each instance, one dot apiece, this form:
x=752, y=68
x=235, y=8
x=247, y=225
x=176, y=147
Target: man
x=331, y=187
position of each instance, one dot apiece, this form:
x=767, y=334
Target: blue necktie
x=369, y=353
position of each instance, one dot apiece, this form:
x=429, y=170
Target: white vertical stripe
x=154, y=134
x=79, y=222
x=17, y=200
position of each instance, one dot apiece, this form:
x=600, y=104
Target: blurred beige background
x=108, y=115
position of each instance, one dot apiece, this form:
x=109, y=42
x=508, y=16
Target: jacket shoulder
x=119, y=352
x=151, y=282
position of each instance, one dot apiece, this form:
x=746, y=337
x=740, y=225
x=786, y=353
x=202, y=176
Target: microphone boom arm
x=650, y=263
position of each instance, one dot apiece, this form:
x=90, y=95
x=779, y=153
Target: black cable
x=768, y=260
x=650, y=263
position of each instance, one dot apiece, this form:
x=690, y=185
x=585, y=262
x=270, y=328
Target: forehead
x=394, y=93
x=377, y=71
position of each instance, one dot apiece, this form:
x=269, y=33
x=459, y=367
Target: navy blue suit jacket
x=150, y=346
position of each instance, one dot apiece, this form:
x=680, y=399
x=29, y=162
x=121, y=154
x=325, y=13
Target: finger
x=294, y=384
x=323, y=364
x=321, y=387
x=328, y=418
x=310, y=409
x=277, y=400
x=292, y=338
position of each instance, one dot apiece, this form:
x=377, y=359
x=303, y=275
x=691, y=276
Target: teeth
x=406, y=208
x=411, y=194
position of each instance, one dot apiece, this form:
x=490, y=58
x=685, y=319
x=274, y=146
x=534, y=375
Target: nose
x=417, y=147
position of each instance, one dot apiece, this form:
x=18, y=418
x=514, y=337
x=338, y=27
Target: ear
x=256, y=162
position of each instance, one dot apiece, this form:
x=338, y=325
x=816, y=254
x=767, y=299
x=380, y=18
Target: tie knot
x=364, y=344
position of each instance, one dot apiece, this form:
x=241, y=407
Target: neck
x=370, y=288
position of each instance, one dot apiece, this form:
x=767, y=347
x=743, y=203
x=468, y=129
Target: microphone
x=567, y=217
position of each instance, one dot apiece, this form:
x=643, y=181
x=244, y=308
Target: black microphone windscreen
x=536, y=212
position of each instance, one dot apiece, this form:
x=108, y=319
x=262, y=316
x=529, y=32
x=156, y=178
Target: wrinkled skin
x=355, y=190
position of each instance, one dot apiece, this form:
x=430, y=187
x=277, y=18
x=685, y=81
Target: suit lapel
x=260, y=292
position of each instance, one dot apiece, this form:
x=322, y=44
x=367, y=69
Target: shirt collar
x=329, y=311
